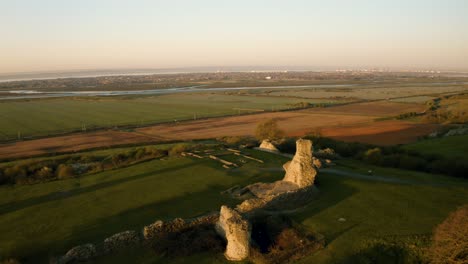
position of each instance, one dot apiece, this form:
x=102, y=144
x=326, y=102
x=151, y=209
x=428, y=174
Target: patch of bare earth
x=69, y=143
x=382, y=133
x=348, y=122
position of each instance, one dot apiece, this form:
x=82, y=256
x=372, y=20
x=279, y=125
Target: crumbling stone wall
x=300, y=170
x=236, y=230
x=267, y=145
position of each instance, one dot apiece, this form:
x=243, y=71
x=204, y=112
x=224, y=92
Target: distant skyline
x=53, y=35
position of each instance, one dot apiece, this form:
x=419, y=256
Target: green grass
x=449, y=147
x=414, y=99
x=51, y=116
x=45, y=220
x=40, y=220
x=374, y=211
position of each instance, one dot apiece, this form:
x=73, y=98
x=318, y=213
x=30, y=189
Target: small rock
x=79, y=254
x=121, y=240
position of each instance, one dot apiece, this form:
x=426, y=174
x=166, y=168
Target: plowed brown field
x=349, y=123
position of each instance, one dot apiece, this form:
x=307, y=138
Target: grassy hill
x=43, y=220
x=450, y=147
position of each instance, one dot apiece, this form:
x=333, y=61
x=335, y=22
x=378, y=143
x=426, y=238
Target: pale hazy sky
x=49, y=35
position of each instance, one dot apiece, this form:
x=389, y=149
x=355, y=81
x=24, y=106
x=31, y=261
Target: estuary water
x=34, y=94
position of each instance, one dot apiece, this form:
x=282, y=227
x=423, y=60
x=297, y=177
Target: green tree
x=373, y=156
x=268, y=129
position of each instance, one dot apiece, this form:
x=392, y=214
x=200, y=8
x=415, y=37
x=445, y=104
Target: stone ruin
x=268, y=146
x=300, y=170
x=296, y=186
x=236, y=230
x=233, y=225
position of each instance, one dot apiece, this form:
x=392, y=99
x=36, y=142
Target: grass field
x=404, y=214
x=450, y=147
x=51, y=116
x=370, y=92
x=353, y=122
x=43, y=220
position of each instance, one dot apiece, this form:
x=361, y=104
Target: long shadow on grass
x=332, y=191
x=187, y=205
x=11, y=207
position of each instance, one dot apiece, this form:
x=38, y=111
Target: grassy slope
x=376, y=210
x=451, y=147
x=41, y=117
x=373, y=210
x=38, y=220
x=44, y=219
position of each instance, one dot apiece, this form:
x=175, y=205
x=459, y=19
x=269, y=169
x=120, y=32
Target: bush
x=238, y=140
x=15, y=171
x=412, y=163
x=65, y=171
x=268, y=129
x=373, y=156
x=44, y=173
x=177, y=149
x=450, y=243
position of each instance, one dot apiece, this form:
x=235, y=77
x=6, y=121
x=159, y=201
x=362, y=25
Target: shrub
x=140, y=153
x=15, y=172
x=44, y=173
x=450, y=243
x=268, y=129
x=238, y=140
x=412, y=163
x=9, y=261
x=177, y=149
x=118, y=158
x=65, y=171
x=390, y=161
x=373, y=156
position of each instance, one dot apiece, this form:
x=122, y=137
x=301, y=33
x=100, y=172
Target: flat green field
x=52, y=116
x=450, y=147
x=43, y=220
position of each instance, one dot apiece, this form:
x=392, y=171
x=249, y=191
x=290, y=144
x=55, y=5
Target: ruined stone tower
x=300, y=170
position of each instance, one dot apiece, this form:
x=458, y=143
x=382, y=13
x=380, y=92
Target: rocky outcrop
x=121, y=240
x=236, y=231
x=300, y=170
x=267, y=145
x=80, y=253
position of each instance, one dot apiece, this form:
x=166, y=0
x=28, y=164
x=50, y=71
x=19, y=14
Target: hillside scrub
x=391, y=156
x=32, y=172
x=268, y=129
x=450, y=244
